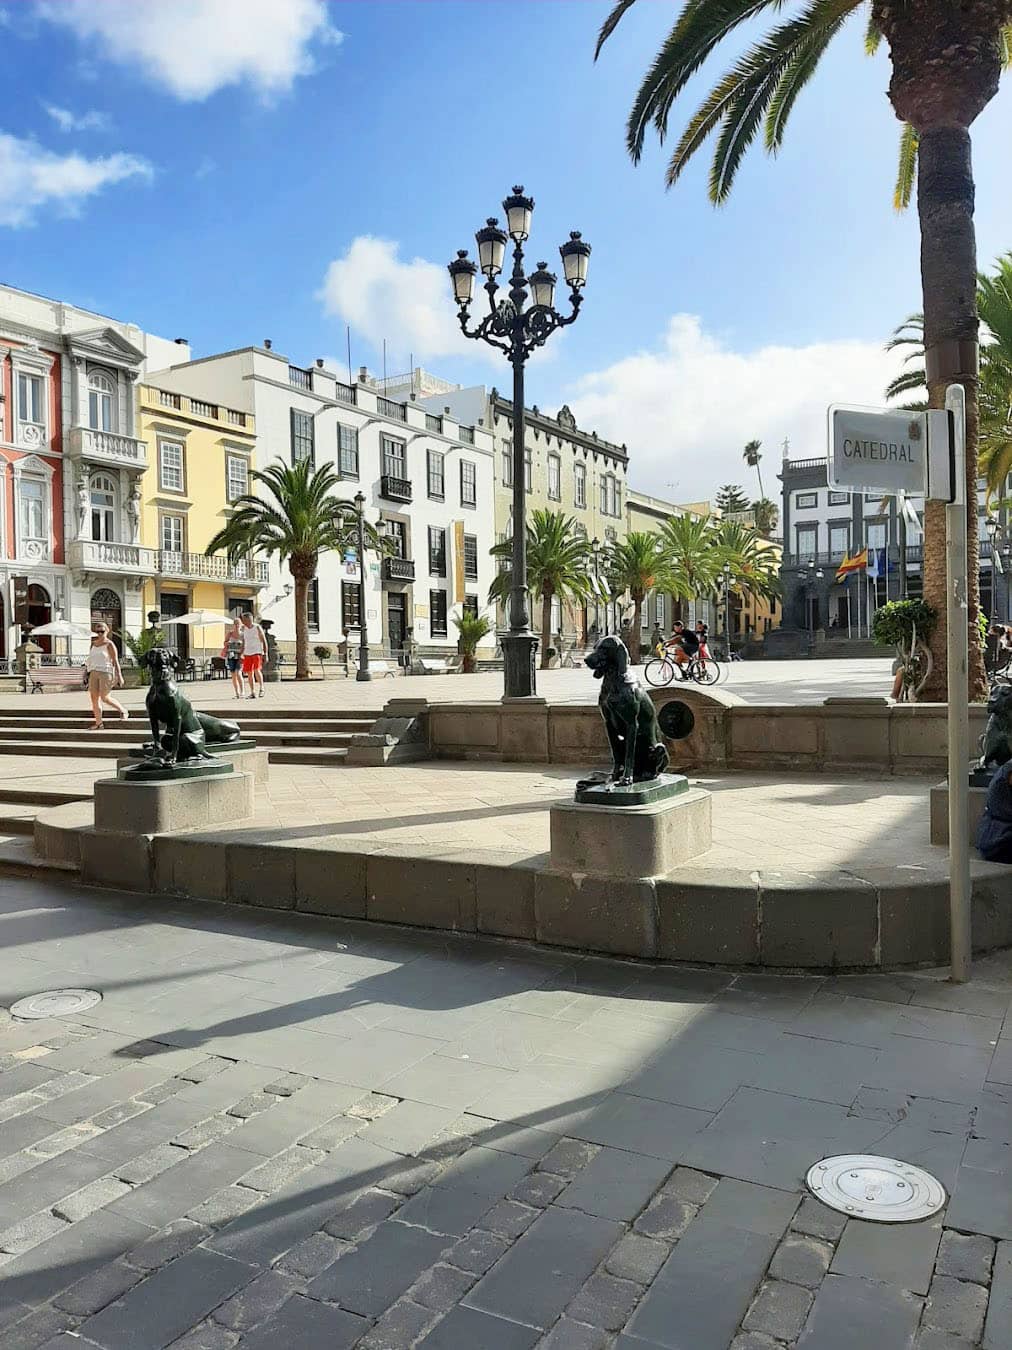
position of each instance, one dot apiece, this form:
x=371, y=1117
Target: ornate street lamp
x=363, y=673
x=517, y=328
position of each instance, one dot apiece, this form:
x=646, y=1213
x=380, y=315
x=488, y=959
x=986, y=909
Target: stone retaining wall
x=860, y=734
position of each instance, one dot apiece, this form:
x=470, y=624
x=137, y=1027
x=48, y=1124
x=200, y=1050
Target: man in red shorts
x=254, y=649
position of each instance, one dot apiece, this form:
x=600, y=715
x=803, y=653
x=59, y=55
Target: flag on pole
x=874, y=562
x=850, y=565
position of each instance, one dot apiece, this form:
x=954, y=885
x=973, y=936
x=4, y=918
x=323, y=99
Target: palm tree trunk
x=634, y=638
x=546, y=627
x=301, y=626
x=945, y=196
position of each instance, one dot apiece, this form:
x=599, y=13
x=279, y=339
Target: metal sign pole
x=957, y=650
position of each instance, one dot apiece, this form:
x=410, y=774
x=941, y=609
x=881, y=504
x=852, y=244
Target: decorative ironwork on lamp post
x=363, y=673
x=517, y=329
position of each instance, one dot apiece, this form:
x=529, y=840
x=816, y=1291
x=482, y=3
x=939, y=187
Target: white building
x=70, y=452
x=427, y=480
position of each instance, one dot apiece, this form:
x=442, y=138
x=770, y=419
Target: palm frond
x=872, y=36
x=907, y=383
x=611, y=23
x=910, y=333
x=906, y=168
x=793, y=81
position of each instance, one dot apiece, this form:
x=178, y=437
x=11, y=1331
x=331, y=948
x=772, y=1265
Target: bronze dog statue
x=187, y=731
x=996, y=742
x=638, y=753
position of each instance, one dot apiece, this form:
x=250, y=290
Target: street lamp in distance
x=517, y=329
x=363, y=673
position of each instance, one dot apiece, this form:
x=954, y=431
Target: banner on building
x=458, y=562
x=20, y=606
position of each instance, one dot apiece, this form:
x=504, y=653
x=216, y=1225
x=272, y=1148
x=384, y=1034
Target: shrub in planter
x=322, y=654
x=471, y=628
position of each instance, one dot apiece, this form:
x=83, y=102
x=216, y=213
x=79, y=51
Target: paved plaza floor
x=753, y=681
x=276, y=1131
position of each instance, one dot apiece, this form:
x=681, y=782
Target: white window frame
x=231, y=458
x=806, y=501
x=165, y=519
x=102, y=386
x=30, y=363
x=109, y=511
x=29, y=468
x=809, y=531
x=164, y=486
x=468, y=478
x=507, y=465
x=554, y=477
x=580, y=485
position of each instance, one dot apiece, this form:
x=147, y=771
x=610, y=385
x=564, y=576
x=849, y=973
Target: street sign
x=877, y=450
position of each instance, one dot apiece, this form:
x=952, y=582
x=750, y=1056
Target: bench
x=39, y=678
x=446, y=665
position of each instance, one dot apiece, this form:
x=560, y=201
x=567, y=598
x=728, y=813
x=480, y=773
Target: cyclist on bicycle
x=685, y=646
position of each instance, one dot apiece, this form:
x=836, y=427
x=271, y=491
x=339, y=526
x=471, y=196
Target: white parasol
x=61, y=628
x=199, y=618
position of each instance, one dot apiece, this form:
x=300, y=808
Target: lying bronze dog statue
x=186, y=730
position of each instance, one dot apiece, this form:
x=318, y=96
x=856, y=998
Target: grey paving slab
x=469, y=1327
x=25, y=1077
x=484, y=1170
x=982, y=1202
x=293, y=1117
x=175, y=1192
x=168, y=1303
x=704, y=1288
x=441, y=1080
x=76, y=1251
x=947, y=1027
x=445, y=1209
x=24, y=1131
x=850, y=1313
x=373, y=1276
x=993, y=1119
x=901, y=1254
x=109, y=1090
x=550, y=1262
x=615, y=1184
x=409, y=1126
x=756, y=1209
x=50, y=1181
x=699, y=1075
x=998, y=1325
x=307, y=1325
x=659, y=1129
x=135, y=1136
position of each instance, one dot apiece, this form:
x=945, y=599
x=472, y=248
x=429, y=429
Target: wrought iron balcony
x=398, y=569
x=108, y=447
x=199, y=567
x=95, y=555
x=395, y=489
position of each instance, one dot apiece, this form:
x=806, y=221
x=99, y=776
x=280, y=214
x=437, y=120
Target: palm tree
x=471, y=628
x=635, y=565
x=946, y=63
x=766, y=515
x=752, y=457
x=295, y=520
x=755, y=566
x=559, y=565
x=691, y=563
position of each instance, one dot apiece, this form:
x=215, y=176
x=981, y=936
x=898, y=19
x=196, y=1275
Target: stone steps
x=123, y=736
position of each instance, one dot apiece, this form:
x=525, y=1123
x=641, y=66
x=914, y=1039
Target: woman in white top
x=103, y=670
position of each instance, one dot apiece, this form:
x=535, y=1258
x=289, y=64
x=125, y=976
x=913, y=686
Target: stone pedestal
x=940, y=813
x=180, y=804
x=254, y=760
x=631, y=841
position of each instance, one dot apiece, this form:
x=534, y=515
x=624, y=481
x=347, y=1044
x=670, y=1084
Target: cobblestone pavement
x=753, y=681
x=280, y=1133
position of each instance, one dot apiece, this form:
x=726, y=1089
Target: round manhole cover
x=883, y=1190
x=676, y=720
x=56, y=1003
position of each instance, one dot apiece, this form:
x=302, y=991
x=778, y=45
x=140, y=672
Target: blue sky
x=229, y=170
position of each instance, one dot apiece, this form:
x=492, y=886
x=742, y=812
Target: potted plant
x=907, y=625
x=322, y=654
x=471, y=628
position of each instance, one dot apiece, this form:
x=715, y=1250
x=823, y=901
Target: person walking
x=254, y=649
x=231, y=654
x=104, y=673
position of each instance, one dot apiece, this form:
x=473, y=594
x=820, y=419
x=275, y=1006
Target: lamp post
x=517, y=329
x=994, y=533
x=813, y=577
x=595, y=553
x=363, y=673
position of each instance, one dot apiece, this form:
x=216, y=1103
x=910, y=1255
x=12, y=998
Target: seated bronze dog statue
x=638, y=753
x=186, y=730
x=996, y=742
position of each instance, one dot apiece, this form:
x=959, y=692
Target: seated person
x=685, y=645
x=994, y=836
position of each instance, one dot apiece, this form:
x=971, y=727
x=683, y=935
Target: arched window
x=101, y=402
x=103, y=508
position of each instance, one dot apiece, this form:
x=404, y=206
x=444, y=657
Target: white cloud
x=687, y=409
x=193, y=48
x=69, y=121
x=32, y=177
x=410, y=304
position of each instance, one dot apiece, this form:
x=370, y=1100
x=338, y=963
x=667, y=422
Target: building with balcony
x=200, y=457
x=71, y=465
x=427, y=479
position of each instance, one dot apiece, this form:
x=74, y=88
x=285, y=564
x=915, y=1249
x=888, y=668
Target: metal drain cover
x=56, y=1003
x=883, y=1190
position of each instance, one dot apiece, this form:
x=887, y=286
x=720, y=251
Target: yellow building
x=199, y=460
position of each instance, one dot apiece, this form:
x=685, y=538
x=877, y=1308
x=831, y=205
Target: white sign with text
x=877, y=451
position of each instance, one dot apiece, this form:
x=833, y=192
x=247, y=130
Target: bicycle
x=660, y=670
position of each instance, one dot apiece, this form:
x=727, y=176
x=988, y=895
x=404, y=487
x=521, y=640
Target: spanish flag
x=856, y=564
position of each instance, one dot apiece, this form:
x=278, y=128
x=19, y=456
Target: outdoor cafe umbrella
x=61, y=628
x=199, y=618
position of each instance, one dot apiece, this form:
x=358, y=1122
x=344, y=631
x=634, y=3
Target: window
x=839, y=540
x=172, y=534
x=659, y=608
x=839, y=498
x=471, y=557
x=397, y=532
x=618, y=497
x=875, y=533
x=30, y=404
x=528, y=470
x=507, y=465
x=434, y=474
x=347, y=451
x=471, y=605
x=555, y=478
x=437, y=552
x=170, y=466
x=580, y=484
x=101, y=402
x=807, y=541
x=236, y=477
x=468, y=483
x=351, y=608
x=437, y=613
x=103, y=509
x=645, y=614
x=313, y=605
x=806, y=501
x=303, y=446
x=393, y=457
x=611, y=496
x=31, y=494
